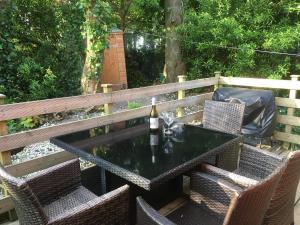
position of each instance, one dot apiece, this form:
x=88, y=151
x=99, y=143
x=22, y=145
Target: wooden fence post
x=217, y=75
x=107, y=88
x=181, y=95
x=290, y=111
x=5, y=156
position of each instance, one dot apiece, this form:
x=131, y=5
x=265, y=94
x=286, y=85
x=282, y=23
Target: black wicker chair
x=55, y=196
x=256, y=164
x=226, y=117
x=214, y=201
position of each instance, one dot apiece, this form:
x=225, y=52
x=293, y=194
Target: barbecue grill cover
x=260, y=111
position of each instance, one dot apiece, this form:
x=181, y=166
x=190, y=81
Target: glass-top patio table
x=126, y=151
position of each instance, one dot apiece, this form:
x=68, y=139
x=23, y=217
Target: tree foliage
x=138, y=15
x=41, y=49
x=96, y=28
x=46, y=46
x=210, y=26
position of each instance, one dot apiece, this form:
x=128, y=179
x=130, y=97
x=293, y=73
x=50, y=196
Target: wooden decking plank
x=297, y=198
x=167, y=209
x=11, y=223
x=297, y=214
x=173, y=206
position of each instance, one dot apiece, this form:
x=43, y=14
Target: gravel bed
x=33, y=151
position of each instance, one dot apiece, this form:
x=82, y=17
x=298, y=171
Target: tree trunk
x=89, y=83
x=173, y=58
x=124, y=8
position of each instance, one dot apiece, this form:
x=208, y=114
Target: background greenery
x=42, y=48
x=248, y=25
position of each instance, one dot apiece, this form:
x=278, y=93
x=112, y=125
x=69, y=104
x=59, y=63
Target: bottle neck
x=153, y=101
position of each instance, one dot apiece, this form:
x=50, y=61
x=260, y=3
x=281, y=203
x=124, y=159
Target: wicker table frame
x=162, y=178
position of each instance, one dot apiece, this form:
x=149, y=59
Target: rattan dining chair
x=214, y=201
x=55, y=196
x=226, y=117
x=255, y=164
x=223, y=116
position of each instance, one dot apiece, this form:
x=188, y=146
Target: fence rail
x=286, y=102
x=21, y=139
x=19, y=110
x=260, y=83
x=14, y=111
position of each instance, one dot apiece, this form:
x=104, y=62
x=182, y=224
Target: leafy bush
x=134, y=105
x=211, y=26
x=41, y=49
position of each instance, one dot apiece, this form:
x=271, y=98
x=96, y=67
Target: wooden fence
x=8, y=142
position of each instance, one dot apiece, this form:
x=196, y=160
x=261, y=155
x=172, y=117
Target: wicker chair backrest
x=223, y=116
x=281, y=209
x=28, y=208
x=249, y=207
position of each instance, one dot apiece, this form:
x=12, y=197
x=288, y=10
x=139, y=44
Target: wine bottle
x=154, y=121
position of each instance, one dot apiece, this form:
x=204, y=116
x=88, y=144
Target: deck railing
x=8, y=142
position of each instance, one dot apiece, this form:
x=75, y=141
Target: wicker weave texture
x=255, y=165
x=254, y=201
x=223, y=116
x=55, y=197
x=281, y=209
x=215, y=201
x=228, y=118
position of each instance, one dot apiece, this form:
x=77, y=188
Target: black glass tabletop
x=135, y=151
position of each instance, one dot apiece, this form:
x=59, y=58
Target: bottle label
x=153, y=139
x=154, y=123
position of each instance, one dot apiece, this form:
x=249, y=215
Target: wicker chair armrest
x=56, y=181
x=108, y=209
x=239, y=180
x=258, y=162
x=147, y=215
x=212, y=193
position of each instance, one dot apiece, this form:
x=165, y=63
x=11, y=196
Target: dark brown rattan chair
x=226, y=117
x=55, y=197
x=214, y=201
x=255, y=165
